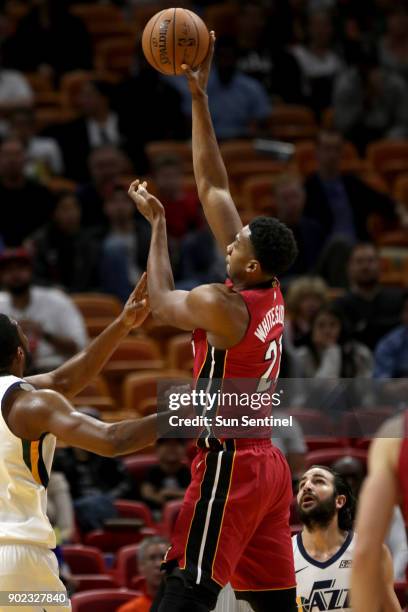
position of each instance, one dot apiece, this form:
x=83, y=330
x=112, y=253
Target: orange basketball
x=173, y=37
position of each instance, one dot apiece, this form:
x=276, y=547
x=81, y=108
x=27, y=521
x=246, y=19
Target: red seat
x=138, y=465
x=363, y=423
x=363, y=443
x=330, y=455
x=111, y=541
x=170, y=514
x=313, y=423
x=400, y=589
x=90, y=582
x=132, y=509
x=127, y=566
x=103, y=600
x=83, y=559
x=319, y=443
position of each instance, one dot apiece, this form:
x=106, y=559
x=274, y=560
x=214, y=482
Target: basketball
x=173, y=37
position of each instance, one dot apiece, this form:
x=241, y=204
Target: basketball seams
x=198, y=38
x=150, y=40
x=174, y=41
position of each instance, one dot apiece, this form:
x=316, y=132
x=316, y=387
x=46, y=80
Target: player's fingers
x=187, y=71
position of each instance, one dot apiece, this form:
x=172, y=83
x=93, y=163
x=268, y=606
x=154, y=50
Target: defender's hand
x=198, y=79
x=137, y=307
x=147, y=204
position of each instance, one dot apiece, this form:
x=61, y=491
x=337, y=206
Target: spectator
x=27, y=204
x=352, y=471
x=330, y=353
x=393, y=47
x=64, y=254
x=95, y=482
x=261, y=53
x=391, y=354
x=157, y=96
x=125, y=240
x=318, y=62
x=289, y=198
x=15, y=92
x=370, y=103
x=60, y=509
x=370, y=309
x=169, y=479
x=97, y=126
x=107, y=165
x=341, y=202
x=305, y=297
x=48, y=317
x=43, y=155
x=239, y=104
x=183, y=210
x=57, y=40
x=150, y=556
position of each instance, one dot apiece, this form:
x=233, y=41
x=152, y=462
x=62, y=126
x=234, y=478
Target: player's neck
x=22, y=300
x=323, y=542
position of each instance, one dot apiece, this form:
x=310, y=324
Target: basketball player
x=324, y=549
x=34, y=412
x=234, y=522
x=385, y=487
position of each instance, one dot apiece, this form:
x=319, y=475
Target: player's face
x=240, y=255
x=316, y=488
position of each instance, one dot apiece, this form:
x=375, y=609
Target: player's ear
x=252, y=266
x=340, y=501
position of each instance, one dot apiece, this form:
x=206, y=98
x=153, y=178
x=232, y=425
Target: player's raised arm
x=76, y=373
x=376, y=504
x=209, y=169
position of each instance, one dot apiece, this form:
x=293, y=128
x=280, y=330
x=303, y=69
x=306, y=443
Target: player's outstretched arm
x=205, y=306
x=376, y=503
x=209, y=169
x=75, y=374
x=36, y=412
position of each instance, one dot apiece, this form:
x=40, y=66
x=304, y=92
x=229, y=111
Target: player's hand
x=137, y=306
x=198, y=79
x=147, y=204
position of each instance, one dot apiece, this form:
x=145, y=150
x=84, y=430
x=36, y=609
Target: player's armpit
x=204, y=307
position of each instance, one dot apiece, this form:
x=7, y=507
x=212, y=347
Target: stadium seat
x=170, y=514
x=95, y=394
x=320, y=443
x=58, y=183
x=363, y=422
x=115, y=55
x=147, y=406
x=46, y=117
x=143, y=385
x=313, y=423
x=102, y=600
x=72, y=82
x=83, y=559
x=134, y=509
x=138, y=465
x=257, y=193
x=290, y=122
x=134, y=353
x=374, y=180
x=401, y=589
x=180, y=352
x=90, y=582
x=240, y=151
x=388, y=157
x=306, y=160
x=238, y=171
x=330, y=455
x=109, y=541
x=126, y=566
x=97, y=305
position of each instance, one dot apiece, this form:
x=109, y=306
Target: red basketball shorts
x=234, y=522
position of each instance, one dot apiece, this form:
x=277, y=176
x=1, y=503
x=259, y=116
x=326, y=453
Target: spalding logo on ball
x=173, y=37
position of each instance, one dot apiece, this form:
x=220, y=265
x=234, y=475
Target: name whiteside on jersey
x=274, y=316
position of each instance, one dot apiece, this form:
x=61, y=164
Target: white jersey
x=24, y=472
x=323, y=585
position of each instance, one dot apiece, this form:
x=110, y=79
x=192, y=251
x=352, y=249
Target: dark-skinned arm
x=209, y=168
x=71, y=377
x=36, y=412
x=204, y=306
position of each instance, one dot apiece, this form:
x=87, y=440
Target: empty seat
x=138, y=465
x=103, y=600
x=142, y=386
x=95, y=394
x=363, y=422
x=90, y=582
x=180, y=352
x=291, y=122
x=330, y=455
x=313, y=423
x=170, y=513
x=134, y=509
x=83, y=559
x=127, y=566
x=388, y=157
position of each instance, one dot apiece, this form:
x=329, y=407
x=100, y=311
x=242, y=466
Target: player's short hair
x=341, y=487
x=274, y=244
x=144, y=545
x=9, y=341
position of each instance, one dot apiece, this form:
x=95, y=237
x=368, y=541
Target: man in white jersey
x=34, y=412
x=323, y=550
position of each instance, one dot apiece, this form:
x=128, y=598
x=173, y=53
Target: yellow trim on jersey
x=35, y=458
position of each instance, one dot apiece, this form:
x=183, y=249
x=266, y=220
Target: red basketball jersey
x=251, y=366
x=403, y=470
